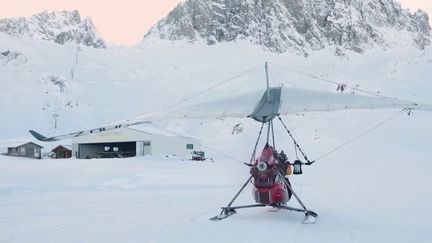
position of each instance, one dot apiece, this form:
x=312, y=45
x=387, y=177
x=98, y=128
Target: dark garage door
x=107, y=150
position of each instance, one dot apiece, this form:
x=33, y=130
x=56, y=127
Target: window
x=189, y=146
x=107, y=148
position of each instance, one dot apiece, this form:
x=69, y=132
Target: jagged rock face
x=60, y=27
x=12, y=57
x=299, y=25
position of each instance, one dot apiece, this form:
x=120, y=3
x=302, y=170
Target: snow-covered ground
x=376, y=189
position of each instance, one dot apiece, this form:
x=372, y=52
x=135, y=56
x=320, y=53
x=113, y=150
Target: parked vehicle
x=198, y=155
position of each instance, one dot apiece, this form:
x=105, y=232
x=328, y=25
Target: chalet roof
x=68, y=147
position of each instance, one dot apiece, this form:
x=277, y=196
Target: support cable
x=296, y=145
x=268, y=132
x=273, y=136
x=192, y=140
x=296, y=151
x=187, y=98
x=380, y=124
x=336, y=83
x=256, y=145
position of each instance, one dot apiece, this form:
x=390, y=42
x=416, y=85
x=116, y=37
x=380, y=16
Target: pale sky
x=126, y=21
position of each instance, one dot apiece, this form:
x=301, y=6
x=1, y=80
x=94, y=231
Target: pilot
x=285, y=169
x=283, y=164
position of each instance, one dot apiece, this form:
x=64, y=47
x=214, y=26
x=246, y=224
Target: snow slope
x=376, y=190
x=63, y=88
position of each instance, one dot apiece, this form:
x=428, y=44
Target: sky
x=125, y=22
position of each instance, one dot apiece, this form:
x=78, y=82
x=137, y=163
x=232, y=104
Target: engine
x=269, y=187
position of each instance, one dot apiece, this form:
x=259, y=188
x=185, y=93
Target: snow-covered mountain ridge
x=59, y=27
x=297, y=25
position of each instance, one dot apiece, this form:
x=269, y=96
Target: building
x=130, y=142
x=29, y=150
x=62, y=152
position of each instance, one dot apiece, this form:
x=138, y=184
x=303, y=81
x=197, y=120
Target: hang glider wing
x=277, y=101
x=284, y=101
x=297, y=100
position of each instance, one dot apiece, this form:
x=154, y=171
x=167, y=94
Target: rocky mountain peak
x=297, y=25
x=60, y=27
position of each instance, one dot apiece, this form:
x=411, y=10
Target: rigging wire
x=273, y=135
x=256, y=144
x=205, y=146
x=337, y=83
x=378, y=125
x=298, y=148
x=224, y=154
x=296, y=153
x=268, y=132
x=327, y=80
x=296, y=145
x=187, y=98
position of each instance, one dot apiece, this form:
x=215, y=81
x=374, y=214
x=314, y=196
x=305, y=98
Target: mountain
x=63, y=88
x=368, y=190
x=297, y=25
x=60, y=27
x=56, y=89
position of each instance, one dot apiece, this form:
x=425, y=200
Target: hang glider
x=275, y=101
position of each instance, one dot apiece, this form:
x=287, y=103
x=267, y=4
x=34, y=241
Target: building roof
x=68, y=147
x=19, y=144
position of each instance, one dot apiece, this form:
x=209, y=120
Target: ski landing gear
x=310, y=216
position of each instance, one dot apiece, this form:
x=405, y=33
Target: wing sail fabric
x=242, y=106
x=298, y=100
